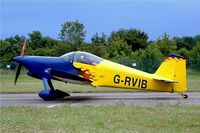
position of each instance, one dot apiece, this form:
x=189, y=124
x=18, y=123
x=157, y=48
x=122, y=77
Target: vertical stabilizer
x=174, y=68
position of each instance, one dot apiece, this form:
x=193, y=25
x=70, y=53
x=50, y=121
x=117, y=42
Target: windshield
x=87, y=58
x=68, y=56
x=82, y=57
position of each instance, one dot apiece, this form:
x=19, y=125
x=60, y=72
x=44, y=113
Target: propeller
x=18, y=72
x=23, y=52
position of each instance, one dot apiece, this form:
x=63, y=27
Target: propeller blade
x=23, y=51
x=18, y=72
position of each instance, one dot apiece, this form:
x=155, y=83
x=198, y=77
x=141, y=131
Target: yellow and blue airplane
x=85, y=68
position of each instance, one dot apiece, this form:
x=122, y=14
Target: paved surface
x=102, y=99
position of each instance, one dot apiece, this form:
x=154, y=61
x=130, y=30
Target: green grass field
x=120, y=118
x=27, y=84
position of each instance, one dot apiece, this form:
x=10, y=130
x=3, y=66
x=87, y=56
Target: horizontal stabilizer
x=164, y=79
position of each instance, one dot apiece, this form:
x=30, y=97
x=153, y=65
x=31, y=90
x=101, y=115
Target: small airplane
x=87, y=69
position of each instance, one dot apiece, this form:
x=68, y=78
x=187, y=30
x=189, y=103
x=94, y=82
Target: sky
x=175, y=17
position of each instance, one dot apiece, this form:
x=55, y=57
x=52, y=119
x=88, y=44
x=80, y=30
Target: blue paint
x=52, y=94
x=175, y=55
x=37, y=65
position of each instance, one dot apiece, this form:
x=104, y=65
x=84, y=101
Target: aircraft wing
x=67, y=77
x=164, y=79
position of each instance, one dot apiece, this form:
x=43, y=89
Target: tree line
x=125, y=46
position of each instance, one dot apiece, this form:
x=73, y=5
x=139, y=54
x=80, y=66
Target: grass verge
x=117, y=118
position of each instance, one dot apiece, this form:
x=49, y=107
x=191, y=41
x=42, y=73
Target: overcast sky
x=176, y=17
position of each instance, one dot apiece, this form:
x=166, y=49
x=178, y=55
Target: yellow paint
x=111, y=74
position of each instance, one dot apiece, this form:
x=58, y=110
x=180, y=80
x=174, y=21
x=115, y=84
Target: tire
x=185, y=96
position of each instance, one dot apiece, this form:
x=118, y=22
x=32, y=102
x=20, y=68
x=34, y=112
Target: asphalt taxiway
x=102, y=99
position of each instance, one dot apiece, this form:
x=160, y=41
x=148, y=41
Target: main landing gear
x=49, y=93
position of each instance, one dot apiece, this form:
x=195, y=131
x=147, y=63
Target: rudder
x=174, y=68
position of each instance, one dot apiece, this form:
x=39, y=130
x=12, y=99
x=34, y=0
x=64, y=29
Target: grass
x=118, y=118
x=27, y=84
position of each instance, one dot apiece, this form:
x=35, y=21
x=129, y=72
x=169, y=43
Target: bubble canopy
x=82, y=57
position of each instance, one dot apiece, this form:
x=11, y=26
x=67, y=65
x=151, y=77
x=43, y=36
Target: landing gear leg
x=185, y=96
x=49, y=93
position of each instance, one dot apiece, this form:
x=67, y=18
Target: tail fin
x=173, y=69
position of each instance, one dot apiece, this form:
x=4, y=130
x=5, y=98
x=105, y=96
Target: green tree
x=35, y=40
x=99, y=49
x=42, y=52
x=135, y=38
x=148, y=59
x=48, y=42
x=72, y=32
x=62, y=48
x=165, y=45
x=185, y=42
x=195, y=57
x=184, y=52
x=119, y=48
x=6, y=51
x=39, y=45
x=11, y=47
x=197, y=38
x=99, y=40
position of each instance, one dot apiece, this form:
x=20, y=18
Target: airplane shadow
x=78, y=98
x=96, y=98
